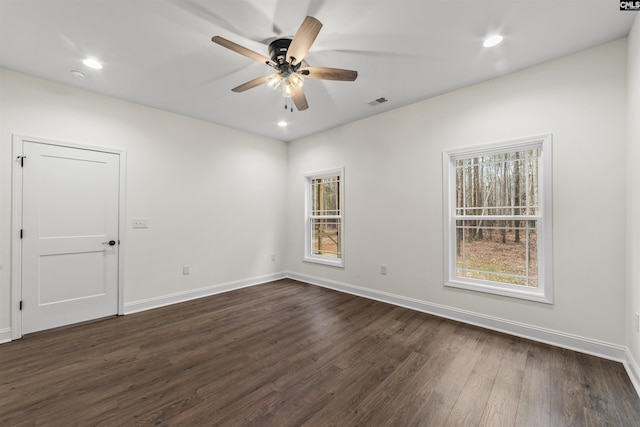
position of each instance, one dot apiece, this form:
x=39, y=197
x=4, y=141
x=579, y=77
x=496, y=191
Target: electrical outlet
x=186, y=269
x=383, y=270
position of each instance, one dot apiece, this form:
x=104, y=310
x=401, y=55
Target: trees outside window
x=325, y=222
x=498, y=218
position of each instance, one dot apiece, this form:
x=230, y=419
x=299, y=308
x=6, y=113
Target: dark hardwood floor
x=291, y=354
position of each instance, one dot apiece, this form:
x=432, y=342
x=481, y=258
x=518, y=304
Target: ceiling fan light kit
x=273, y=81
x=286, y=57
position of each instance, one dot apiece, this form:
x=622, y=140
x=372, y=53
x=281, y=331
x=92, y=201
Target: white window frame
x=544, y=292
x=308, y=235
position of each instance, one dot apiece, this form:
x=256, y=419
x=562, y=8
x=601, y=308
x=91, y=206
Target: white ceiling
x=159, y=52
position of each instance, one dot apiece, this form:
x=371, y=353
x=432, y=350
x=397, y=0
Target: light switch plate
x=140, y=223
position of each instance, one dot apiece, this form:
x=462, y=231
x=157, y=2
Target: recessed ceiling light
x=92, y=63
x=492, y=40
x=282, y=124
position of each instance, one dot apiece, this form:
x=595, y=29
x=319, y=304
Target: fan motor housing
x=278, y=50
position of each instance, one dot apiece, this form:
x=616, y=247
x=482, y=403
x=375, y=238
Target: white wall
x=219, y=199
x=393, y=185
x=214, y=196
x=633, y=189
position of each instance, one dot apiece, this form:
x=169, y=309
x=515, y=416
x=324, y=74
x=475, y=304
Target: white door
x=70, y=241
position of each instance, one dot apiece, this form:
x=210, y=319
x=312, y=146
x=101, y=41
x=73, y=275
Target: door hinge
x=20, y=305
x=21, y=158
x=21, y=233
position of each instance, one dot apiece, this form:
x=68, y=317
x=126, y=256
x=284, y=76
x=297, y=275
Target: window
x=498, y=216
x=325, y=222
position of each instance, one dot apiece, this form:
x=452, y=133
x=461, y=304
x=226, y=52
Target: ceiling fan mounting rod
x=278, y=50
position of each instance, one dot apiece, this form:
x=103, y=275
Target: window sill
x=530, y=295
x=325, y=261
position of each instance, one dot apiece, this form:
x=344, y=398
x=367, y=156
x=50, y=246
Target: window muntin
x=498, y=220
x=498, y=184
x=498, y=256
x=325, y=237
x=324, y=233
x=325, y=195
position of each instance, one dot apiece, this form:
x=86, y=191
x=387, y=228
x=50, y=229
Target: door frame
x=16, y=221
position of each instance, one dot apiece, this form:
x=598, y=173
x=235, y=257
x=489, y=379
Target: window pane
x=498, y=184
x=325, y=196
x=325, y=238
x=499, y=251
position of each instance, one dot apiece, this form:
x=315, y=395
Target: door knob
x=110, y=243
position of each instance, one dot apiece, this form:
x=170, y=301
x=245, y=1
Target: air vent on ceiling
x=377, y=101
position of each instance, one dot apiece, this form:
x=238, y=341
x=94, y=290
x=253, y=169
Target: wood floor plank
x=502, y=404
x=434, y=411
x=471, y=402
x=386, y=392
x=491, y=357
x=289, y=354
x=566, y=395
x=534, y=404
x=458, y=371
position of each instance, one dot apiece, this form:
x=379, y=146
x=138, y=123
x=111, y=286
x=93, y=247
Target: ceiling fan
x=286, y=56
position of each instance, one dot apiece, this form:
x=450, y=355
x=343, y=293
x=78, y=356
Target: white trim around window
x=324, y=218
x=460, y=217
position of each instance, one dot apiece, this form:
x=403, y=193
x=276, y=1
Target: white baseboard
x=164, y=300
x=633, y=370
x=602, y=349
x=5, y=335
